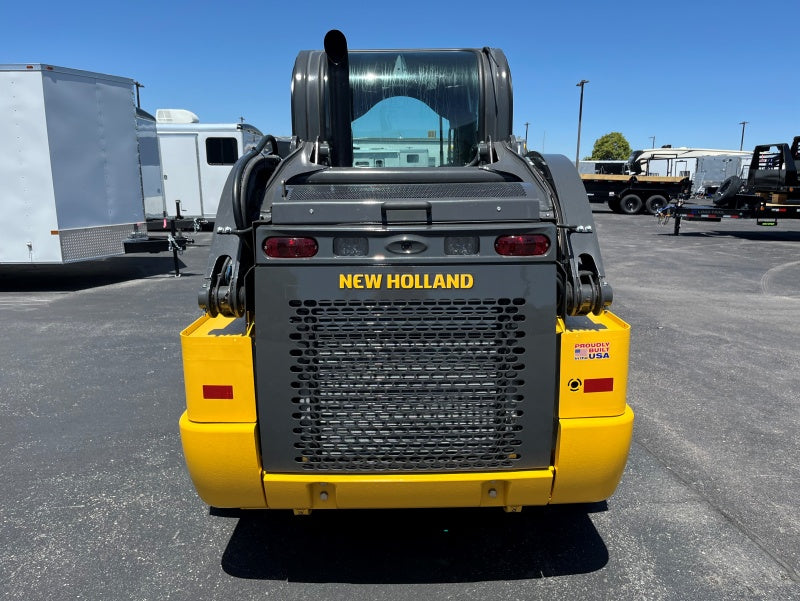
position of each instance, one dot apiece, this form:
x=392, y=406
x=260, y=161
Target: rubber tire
x=654, y=203
x=613, y=204
x=631, y=204
x=727, y=189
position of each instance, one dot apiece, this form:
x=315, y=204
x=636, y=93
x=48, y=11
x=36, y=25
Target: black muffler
x=340, y=99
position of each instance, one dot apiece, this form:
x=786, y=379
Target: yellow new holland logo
x=405, y=280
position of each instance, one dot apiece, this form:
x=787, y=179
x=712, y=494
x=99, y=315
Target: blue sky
x=686, y=73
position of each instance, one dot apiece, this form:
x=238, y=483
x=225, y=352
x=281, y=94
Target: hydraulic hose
x=239, y=210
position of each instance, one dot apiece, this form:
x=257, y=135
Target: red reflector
x=526, y=245
x=598, y=385
x=290, y=248
x=216, y=391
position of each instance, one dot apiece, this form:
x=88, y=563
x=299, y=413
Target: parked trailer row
x=771, y=191
x=72, y=178
x=196, y=159
x=632, y=194
x=637, y=185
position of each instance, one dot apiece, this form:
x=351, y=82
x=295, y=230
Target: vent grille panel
x=407, y=385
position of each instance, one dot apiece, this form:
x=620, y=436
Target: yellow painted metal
x=316, y=491
x=223, y=462
x=590, y=457
x=212, y=357
x=605, y=355
x=220, y=438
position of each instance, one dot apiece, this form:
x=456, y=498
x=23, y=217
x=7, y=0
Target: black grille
x=407, y=385
x=391, y=191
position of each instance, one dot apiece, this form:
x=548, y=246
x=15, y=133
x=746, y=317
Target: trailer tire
x=631, y=204
x=655, y=203
x=613, y=204
x=727, y=189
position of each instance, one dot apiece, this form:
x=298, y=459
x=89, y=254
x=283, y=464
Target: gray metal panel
x=378, y=202
x=308, y=96
x=713, y=170
x=26, y=189
x=64, y=70
x=430, y=249
x=277, y=362
x=575, y=208
x=150, y=165
x=93, y=150
x=499, y=104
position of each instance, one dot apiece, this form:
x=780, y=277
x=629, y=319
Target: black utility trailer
x=771, y=191
x=632, y=194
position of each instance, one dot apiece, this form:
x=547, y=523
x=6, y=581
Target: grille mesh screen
x=407, y=385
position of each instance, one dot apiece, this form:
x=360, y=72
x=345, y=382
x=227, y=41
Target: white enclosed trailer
x=70, y=179
x=196, y=159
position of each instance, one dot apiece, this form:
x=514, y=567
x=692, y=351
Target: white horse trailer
x=196, y=159
x=70, y=179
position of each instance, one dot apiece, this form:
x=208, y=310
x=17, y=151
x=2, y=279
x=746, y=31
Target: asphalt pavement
x=97, y=503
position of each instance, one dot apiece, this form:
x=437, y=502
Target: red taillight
x=526, y=245
x=290, y=248
x=217, y=391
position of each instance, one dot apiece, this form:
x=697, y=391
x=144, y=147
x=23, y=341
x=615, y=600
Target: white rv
x=196, y=159
x=70, y=179
x=707, y=167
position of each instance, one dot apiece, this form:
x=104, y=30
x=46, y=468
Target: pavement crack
x=726, y=515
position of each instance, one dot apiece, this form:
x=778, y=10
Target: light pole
x=581, y=83
x=653, y=139
x=526, y=135
x=138, y=85
x=742, y=123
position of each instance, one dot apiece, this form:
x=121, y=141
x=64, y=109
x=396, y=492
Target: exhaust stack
x=341, y=103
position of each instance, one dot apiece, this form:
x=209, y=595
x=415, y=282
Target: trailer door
x=218, y=152
x=179, y=156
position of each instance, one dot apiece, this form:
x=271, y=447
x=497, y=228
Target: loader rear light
x=526, y=245
x=217, y=392
x=282, y=247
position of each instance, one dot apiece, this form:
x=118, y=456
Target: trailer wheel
x=631, y=204
x=654, y=204
x=613, y=204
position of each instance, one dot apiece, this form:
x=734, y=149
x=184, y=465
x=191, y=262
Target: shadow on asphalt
x=765, y=235
x=414, y=546
x=89, y=274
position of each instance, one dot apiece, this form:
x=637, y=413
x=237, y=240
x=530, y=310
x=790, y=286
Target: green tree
x=611, y=147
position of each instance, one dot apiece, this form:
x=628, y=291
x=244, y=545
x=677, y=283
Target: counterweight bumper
x=220, y=436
